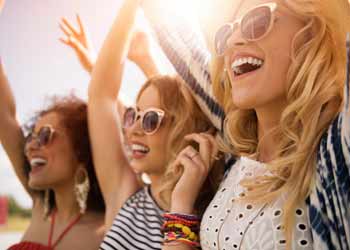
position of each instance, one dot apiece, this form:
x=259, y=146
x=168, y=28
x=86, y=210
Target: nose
x=135, y=129
x=236, y=39
x=31, y=146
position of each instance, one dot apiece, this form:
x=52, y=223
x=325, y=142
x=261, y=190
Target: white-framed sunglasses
x=254, y=25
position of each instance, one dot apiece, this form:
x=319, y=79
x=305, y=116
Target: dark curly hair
x=73, y=117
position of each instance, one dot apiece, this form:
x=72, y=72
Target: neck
x=66, y=203
x=156, y=185
x=268, y=120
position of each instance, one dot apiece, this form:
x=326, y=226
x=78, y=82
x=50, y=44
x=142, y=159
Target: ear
x=80, y=172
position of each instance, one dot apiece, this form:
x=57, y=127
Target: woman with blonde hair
x=159, y=134
x=279, y=72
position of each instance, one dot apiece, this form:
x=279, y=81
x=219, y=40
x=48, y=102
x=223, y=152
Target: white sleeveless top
x=229, y=224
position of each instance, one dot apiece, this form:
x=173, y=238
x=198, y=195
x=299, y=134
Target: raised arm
x=116, y=179
x=78, y=39
x=11, y=135
x=184, y=45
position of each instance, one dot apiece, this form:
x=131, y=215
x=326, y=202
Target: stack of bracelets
x=181, y=228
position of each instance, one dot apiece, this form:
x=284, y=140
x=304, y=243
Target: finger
x=81, y=24
x=204, y=146
x=189, y=152
x=214, y=145
x=65, y=41
x=77, y=45
x=65, y=29
x=70, y=26
x=193, y=169
x=194, y=156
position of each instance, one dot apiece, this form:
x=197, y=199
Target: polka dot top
x=229, y=224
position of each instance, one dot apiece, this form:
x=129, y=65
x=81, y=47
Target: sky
x=39, y=66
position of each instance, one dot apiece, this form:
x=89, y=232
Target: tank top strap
x=64, y=232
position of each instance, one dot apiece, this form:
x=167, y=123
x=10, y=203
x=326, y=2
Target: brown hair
x=185, y=118
x=73, y=117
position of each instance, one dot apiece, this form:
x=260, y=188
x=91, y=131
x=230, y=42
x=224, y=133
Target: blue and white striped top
x=329, y=201
x=137, y=226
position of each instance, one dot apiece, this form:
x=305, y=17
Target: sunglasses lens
x=44, y=135
x=221, y=37
x=256, y=23
x=129, y=117
x=29, y=138
x=150, y=121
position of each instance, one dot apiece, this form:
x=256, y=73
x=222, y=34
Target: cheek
x=158, y=144
x=64, y=161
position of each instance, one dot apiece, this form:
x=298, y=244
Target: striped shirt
x=137, y=225
x=329, y=200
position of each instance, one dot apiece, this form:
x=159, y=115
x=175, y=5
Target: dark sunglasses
x=151, y=119
x=43, y=137
x=254, y=25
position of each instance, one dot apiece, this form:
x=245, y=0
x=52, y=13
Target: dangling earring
x=82, y=188
x=46, y=203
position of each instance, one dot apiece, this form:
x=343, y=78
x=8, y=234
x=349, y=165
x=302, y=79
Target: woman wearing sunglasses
x=279, y=74
x=54, y=165
x=158, y=133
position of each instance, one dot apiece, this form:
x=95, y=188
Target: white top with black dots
x=229, y=224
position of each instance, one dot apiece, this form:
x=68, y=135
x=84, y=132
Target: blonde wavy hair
x=314, y=91
x=185, y=118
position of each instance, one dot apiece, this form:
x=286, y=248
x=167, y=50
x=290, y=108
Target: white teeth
x=250, y=60
x=37, y=162
x=138, y=147
x=244, y=60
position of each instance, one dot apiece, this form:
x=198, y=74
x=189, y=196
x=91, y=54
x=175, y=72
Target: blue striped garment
x=329, y=201
x=137, y=225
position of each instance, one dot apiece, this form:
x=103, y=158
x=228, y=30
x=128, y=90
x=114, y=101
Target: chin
x=137, y=166
x=244, y=103
x=38, y=183
x=38, y=186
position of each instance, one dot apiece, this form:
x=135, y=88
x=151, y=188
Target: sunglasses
x=254, y=25
x=43, y=137
x=151, y=119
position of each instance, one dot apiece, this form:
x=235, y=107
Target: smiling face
x=258, y=69
x=53, y=164
x=148, y=151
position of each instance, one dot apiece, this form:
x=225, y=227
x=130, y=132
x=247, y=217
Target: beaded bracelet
x=182, y=228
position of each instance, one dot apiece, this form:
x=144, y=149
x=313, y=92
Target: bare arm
x=117, y=181
x=196, y=166
x=11, y=135
x=78, y=39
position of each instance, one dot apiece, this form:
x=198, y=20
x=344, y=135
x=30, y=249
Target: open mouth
x=244, y=65
x=37, y=163
x=139, y=150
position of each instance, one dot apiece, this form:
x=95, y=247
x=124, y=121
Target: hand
x=196, y=166
x=80, y=42
x=140, y=47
